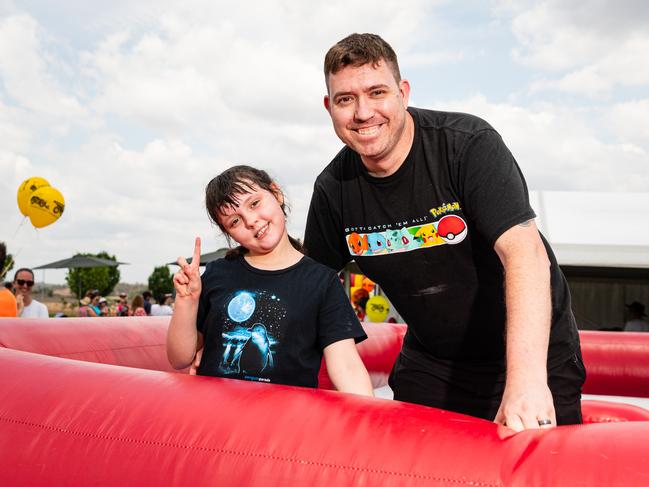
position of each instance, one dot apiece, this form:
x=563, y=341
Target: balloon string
x=20, y=225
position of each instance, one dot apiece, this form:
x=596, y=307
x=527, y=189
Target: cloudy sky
x=130, y=108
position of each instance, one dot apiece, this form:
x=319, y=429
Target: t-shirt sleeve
x=323, y=239
x=336, y=319
x=491, y=185
x=7, y=304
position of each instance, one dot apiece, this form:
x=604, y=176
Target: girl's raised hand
x=187, y=280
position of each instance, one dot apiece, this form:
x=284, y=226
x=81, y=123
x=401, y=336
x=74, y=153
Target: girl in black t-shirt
x=265, y=312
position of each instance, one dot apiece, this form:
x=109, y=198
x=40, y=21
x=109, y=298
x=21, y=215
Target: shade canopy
x=208, y=257
x=80, y=261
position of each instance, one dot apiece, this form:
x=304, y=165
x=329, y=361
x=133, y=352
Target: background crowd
x=141, y=304
x=16, y=299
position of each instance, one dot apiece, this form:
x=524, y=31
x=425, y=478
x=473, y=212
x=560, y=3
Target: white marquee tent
x=601, y=241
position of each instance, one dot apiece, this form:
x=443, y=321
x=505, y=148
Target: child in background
x=137, y=306
x=265, y=312
x=122, y=305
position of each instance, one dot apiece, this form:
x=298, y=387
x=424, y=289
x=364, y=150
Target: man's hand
x=526, y=407
x=187, y=280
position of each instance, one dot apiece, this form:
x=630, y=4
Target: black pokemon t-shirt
x=426, y=235
x=271, y=326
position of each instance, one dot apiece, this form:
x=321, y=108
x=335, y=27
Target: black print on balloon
x=58, y=207
x=39, y=201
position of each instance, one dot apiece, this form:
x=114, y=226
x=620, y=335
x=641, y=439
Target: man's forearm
x=529, y=313
x=527, y=399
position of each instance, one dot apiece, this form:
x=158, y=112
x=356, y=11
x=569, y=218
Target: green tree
x=104, y=279
x=8, y=265
x=161, y=282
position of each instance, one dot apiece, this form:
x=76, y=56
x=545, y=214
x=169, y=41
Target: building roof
x=595, y=229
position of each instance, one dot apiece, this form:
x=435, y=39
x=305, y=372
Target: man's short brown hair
x=358, y=50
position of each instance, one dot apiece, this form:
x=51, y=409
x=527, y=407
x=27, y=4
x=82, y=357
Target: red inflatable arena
x=94, y=402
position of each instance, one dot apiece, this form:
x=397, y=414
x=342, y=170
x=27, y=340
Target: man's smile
x=368, y=131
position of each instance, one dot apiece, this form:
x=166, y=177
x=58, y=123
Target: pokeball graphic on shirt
x=452, y=229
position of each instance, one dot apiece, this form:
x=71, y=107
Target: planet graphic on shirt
x=241, y=307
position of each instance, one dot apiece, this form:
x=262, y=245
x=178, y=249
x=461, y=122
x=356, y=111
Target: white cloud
x=597, y=44
x=628, y=121
x=560, y=149
x=130, y=108
x=24, y=70
x=624, y=66
x=422, y=58
x=14, y=135
x=202, y=64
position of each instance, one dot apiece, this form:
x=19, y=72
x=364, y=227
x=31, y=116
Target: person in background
x=163, y=307
x=637, y=317
x=104, y=309
x=94, y=301
x=359, y=300
x=23, y=284
x=84, y=310
x=147, y=301
x=8, y=305
x=122, y=305
x=137, y=306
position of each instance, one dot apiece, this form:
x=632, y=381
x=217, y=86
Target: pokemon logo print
x=450, y=229
x=250, y=334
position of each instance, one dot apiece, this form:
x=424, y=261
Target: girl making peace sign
x=265, y=312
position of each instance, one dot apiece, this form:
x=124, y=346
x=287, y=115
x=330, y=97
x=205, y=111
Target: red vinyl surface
x=72, y=422
x=79, y=423
x=597, y=411
x=617, y=363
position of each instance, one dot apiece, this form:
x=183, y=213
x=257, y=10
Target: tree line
x=104, y=279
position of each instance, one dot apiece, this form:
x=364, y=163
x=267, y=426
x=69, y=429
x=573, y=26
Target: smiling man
x=23, y=284
x=434, y=208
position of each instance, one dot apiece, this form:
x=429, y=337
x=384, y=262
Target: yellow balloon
x=26, y=189
x=46, y=205
x=377, y=309
x=358, y=280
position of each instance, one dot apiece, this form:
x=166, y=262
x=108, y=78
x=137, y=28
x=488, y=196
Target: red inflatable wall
x=133, y=342
x=66, y=422
x=80, y=423
x=617, y=363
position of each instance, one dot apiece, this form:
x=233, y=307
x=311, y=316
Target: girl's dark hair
x=225, y=190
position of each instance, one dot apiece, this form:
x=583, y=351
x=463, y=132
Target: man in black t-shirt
x=433, y=207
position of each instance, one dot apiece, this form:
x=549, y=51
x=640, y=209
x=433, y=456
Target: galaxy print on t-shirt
x=251, y=333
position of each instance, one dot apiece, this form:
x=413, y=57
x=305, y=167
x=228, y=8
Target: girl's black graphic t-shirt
x=271, y=326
